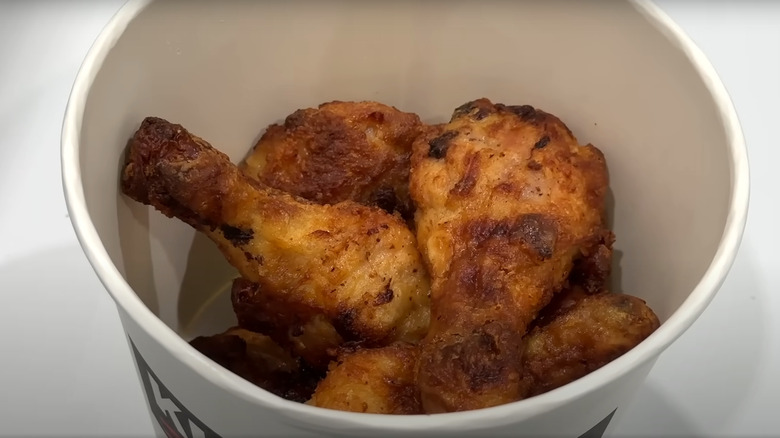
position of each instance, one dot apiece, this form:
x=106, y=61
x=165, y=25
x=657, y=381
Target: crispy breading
x=584, y=334
x=506, y=200
x=591, y=271
x=297, y=326
x=340, y=151
x=261, y=361
x=356, y=266
x=588, y=276
x=377, y=381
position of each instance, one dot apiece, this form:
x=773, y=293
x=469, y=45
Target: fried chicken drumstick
x=355, y=267
x=506, y=201
x=340, y=151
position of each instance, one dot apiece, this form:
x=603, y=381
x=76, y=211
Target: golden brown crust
x=584, y=335
x=356, y=266
x=506, y=201
x=340, y=151
x=259, y=360
x=377, y=381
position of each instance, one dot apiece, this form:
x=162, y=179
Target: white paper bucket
x=620, y=74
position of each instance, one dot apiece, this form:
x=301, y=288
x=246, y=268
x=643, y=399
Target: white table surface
x=66, y=369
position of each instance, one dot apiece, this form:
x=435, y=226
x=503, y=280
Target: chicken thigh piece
x=339, y=151
x=507, y=200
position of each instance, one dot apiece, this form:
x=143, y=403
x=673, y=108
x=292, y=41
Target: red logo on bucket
x=174, y=419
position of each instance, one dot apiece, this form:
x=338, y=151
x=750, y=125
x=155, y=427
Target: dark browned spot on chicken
x=386, y=199
x=542, y=142
x=385, y=296
x=481, y=113
x=376, y=116
x=475, y=357
x=469, y=179
x=237, y=236
x=534, y=165
x=440, y=144
x=525, y=112
x=344, y=323
x=477, y=109
x=479, y=231
x=296, y=119
x=372, y=231
x=624, y=302
x=479, y=281
x=254, y=258
x=463, y=110
x=506, y=187
x=538, y=231
x=243, y=290
x=593, y=269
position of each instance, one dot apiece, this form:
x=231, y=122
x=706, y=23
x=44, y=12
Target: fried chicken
x=340, y=151
x=588, y=276
x=377, y=381
x=506, y=201
x=356, y=267
x=577, y=333
x=301, y=328
x=591, y=271
x=259, y=360
x=585, y=333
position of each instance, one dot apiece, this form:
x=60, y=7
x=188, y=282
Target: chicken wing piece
x=506, y=201
x=340, y=151
x=584, y=334
x=377, y=381
x=356, y=266
x=259, y=360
